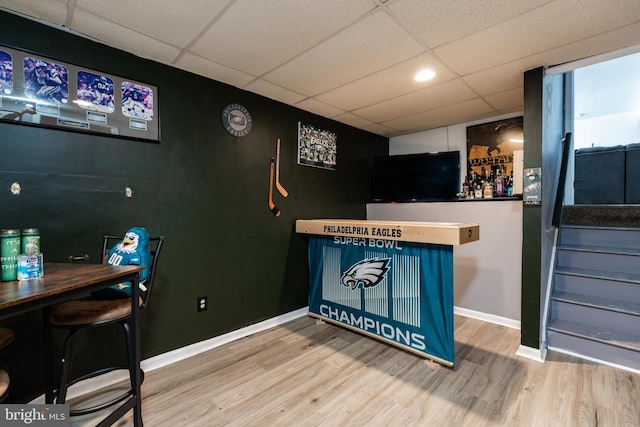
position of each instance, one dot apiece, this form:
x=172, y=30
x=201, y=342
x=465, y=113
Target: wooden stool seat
x=90, y=312
x=4, y=384
x=6, y=337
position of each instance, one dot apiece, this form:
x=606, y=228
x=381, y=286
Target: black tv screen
x=425, y=177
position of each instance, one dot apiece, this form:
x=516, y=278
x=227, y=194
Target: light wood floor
x=308, y=374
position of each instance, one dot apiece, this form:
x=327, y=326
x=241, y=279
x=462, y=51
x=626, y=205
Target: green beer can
x=31, y=237
x=9, y=251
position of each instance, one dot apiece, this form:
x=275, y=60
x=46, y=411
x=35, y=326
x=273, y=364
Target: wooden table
x=63, y=282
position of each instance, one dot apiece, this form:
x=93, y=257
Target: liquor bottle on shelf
x=465, y=187
x=510, y=185
x=499, y=184
x=478, y=191
x=487, y=191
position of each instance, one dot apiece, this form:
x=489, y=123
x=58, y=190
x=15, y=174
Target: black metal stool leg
x=67, y=357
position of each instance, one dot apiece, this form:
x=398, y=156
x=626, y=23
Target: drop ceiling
x=354, y=60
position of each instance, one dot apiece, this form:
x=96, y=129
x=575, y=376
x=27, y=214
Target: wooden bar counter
x=443, y=233
x=391, y=280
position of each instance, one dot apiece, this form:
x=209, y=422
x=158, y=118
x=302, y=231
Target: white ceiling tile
x=499, y=78
x=388, y=83
x=54, y=11
x=170, y=21
x=602, y=43
x=123, y=38
x=319, y=108
x=371, y=44
x=462, y=112
x=257, y=36
x=268, y=89
x=353, y=120
x=507, y=100
x=215, y=71
x=430, y=98
x=381, y=130
x=553, y=25
x=436, y=22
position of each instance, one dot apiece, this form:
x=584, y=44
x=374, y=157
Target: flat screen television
x=424, y=177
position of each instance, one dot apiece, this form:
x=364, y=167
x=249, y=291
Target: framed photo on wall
x=316, y=147
x=39, y=91
x=490, y=146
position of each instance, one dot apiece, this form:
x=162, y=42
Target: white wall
x=607, y=131
x=487, y=273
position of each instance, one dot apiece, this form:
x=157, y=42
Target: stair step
x=598, y=261
x=599, y=236
x=593, y=333
x=602, y=249
x=599, y=274
x=626, y=307
x=627, y=215
x=594, y=350
x=595, y=304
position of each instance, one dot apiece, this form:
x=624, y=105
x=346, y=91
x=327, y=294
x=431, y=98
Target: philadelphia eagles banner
x=401, y=292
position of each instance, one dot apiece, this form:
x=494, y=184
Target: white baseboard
x=179, y=354
x=537, y=354
x=485, y=317
x=599, y=361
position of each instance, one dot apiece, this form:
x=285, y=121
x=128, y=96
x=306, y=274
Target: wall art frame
x=492, y=144
x=317, y=147
x=40, y=91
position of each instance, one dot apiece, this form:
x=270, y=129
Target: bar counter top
x=444, y=233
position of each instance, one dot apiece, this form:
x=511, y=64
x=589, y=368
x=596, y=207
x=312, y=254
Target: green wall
x=543, y=132
x=202, y=188
x=532, y=215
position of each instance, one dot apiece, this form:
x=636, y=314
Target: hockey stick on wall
x=279, y=186
x=272, y=205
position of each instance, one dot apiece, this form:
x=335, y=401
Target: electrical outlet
x=202, y=303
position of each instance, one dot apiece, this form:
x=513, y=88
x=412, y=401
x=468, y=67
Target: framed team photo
x=46, y=81
x=137, y=101
x=95, y=92
x=316, y=147
x=6, y=73
x=54, y=94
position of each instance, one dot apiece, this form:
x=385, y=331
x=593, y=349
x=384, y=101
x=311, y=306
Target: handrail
x=562, y=178
x=555, y=222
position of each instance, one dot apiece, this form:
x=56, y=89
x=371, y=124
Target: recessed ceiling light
x=424, y=75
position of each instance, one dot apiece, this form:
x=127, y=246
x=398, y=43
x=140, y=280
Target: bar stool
x=90, y=313
x=6, y=338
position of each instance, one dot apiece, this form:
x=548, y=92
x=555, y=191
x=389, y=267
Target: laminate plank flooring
x=305, y=373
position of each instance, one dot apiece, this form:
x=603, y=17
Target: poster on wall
x=316, y=147
x=39, y=91
x=532, y=186
x=490, y=146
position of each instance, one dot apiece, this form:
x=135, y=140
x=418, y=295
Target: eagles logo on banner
x=399, y=291
x=368, y=273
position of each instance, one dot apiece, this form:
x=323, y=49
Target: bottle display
x=10, y=240
x=30, y=261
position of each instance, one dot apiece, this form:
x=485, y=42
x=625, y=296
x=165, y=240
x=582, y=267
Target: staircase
x=595, y=301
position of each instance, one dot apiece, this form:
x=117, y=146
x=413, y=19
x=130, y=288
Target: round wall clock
x=236, y=120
